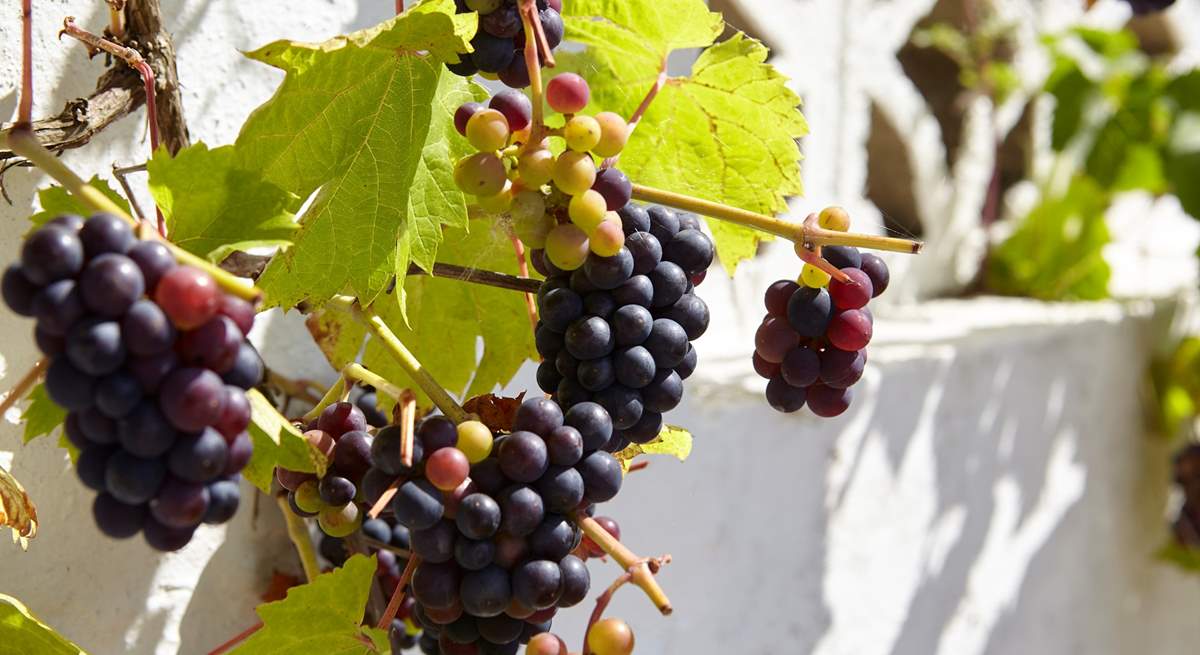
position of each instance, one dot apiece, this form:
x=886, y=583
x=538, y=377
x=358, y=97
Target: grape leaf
x=16, y=510
x=446, y=318
x=673, y=440
x=277, y=443
x=22, y=632
x=41, y=416
x=338, y=338
x=323, y=616
x=1185, y=558
x=213, y=208
x=726, y=133
x=365, y=118
x=55, y=200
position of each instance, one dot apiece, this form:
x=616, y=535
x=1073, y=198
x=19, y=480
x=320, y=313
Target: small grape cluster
x=617, y=330
x=812, y=343
x=1186, y=471
x=150, y=360
x=489, y=518
x=340, y=433
x=499, y=43
x=562, y=203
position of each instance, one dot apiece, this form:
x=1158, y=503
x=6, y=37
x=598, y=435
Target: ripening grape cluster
x=618, y=329
x=812, y=343
x=562, y=203
x=500, y=41
x=150, y=360
x=488, y=516
x=340, y=433
x=1186, y=471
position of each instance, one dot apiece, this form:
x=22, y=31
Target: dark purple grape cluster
x=618, y=330
x=499, y=43
x=150, y=361
x=812, y=343
x=1141, y=7
x=496, y=546
x=1186, y=470
x=340, y=433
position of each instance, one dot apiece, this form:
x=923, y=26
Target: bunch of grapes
x=618, y=329
x=150, y=361
x=489, y=518
x=1186, y=471
x=500, y=41
x=562, y=203
x=812, y=343
x=340, y=433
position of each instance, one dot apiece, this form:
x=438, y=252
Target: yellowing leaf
x=56, y=201
x=673, y=440
x=212, y=208
x=727, y=132
x=366, y=119
x=16, y=509
x=22, y=633
x=338, y=336
x=277, y=443
x=323, y=616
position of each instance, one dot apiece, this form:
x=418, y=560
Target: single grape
x=94, y=346
x=581, y=133
x=538, y=415
x=610, y=637
x=664, y=223
x=775, y=339
x=877, y=270
x=417, y=504
x=116, y=519
x=664, y=392
x=481, y=174
x=146, y=329
x=567, y=246
x=478, y=516
x=484, y=593
x=474, y=440
x=614, y=134
x=801, y=366
x=834, y=218
x=634, y=367
x=783, y=396
x=691, y=249
x=199, y=457
x=105, y=233
x=336, y=490
x=567, y=93
x=667, y=343
x=67, y=386
x=92, y=466
x=523, y=456
x=247, y=371
x=609, y=272
x=223, y=499
x=647, y=428
x=241, y=449
x=552, y=25
x=589, y=338
x=691, y=313
x=492, y=54
x=58, y=306
x=850, y=330
x=607, y=239
x=488, y=130
x=594, y=424
x=51, y=254
x=180, y=504
x=559, y=308
x=145, y=432
x=192, y=398
x=828, y=402
x=536, y=167
x=153, y=260
x=853, y=295
x=340, y=521
x=340, y=418
x=670, y=283
x=814, y=277
x=18, y=291
x=587, y=210
x=189, y=296
x=537, y=584
x=574, y=173
x=602, y=476
x=504, y=22
x=437, y=432
x=522, y=510
x=809, y=312
x=842, y=256
x=688, y=365
x=239, y=311
x=634, y=218
x=213, y=345
x=133, y=480
x=435, y=544
x=235, y=414
x=447, y=468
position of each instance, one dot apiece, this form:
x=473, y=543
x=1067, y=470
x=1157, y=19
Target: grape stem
x=522, y=283
x=640, y=569
x=298, y=533
x=24, y=385
x=636, y=118
x=305, y=390
x=808, y=233
x=379, y=545
x=25, y=110
x=236, y=639
x=397, y=599
x=399, y=7
x=334, y=394
x=523, y=268
x=122, y=175
x=116, y=18
x=408, y=427
x=402, y=355
x=605, y=598
x=534, y=34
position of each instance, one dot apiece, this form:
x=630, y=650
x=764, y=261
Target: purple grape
x=164, y=538
x=614, y=186
x=214, y=345
x=105, y=233
x=151, y=371
x=69, y=387
x=146, y=432
x=58, y=306
x=117, y=519
x=133, y=480
x=92, y=466
x=515, y=106
x=199, y=457
x=523, y=456
x=146, y=329
x=223, y=499
x=802, y=366
x=784, y=397
x=52, y=254
x=110, y=284
x=180, y=504
x=95, y=347
x=153, y=259
x=192, y=398
x=248, y=369
x=19, y=291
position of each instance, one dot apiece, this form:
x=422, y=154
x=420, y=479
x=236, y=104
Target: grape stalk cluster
x=498, y=46
x=150, y=360
x=811, y=345
x=1186, y=471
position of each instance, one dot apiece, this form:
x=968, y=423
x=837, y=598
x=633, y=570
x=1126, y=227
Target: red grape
x=447, y=468
x=778, y=295
x=774, y=339
x=850, y=330
x=851, y=296
x=567, y=93
x=189, y=296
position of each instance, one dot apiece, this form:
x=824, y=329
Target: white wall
x=992, y=490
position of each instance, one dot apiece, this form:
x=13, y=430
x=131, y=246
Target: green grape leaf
x=673, y=440
x=41, y=416
x=213, y=208
x=1182, y=171
x=363, y=120
x=323, y=616
x=726, y=133
x=23, y=633
x=339, y=337
x=17, y=511
x=1185, y=558
x=1142, y=169
x=56, y=200
x=1071, y=90
x=446, y=318
x=277, y=443
x=1057, y=251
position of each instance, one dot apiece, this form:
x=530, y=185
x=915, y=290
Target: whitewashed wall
x=992, y=491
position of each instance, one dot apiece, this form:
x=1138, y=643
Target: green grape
x=340, y=521
x=834, y=218
x=813, y=277
x=536, y=167
x=587, y=210
x=481, y=174
x=614, y=134
x=532, y=231
x=488, y=130
x=609, y=237
x=582, y=133
x=574, y=172
x=475, y=440
x=308, y=497
x=528, y=206
x=497, y=203
x=610, y=637
x=567, y=246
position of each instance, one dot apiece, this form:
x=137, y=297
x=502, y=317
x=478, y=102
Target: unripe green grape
x=475, y=440
x=614, y=134
x=813, y=277
x=528, y=206
x=567, y=246
x=609, y=237
x=484, y=6
x=610, y=637
x=488, y=130
x=582, y=133
x=536, y=167
x=574, y=172
x=532, y=231
x=481, y=174
x=587, y=210
x=308, y=497
x=834, y=218
x=497, y=203
x=340, y=521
